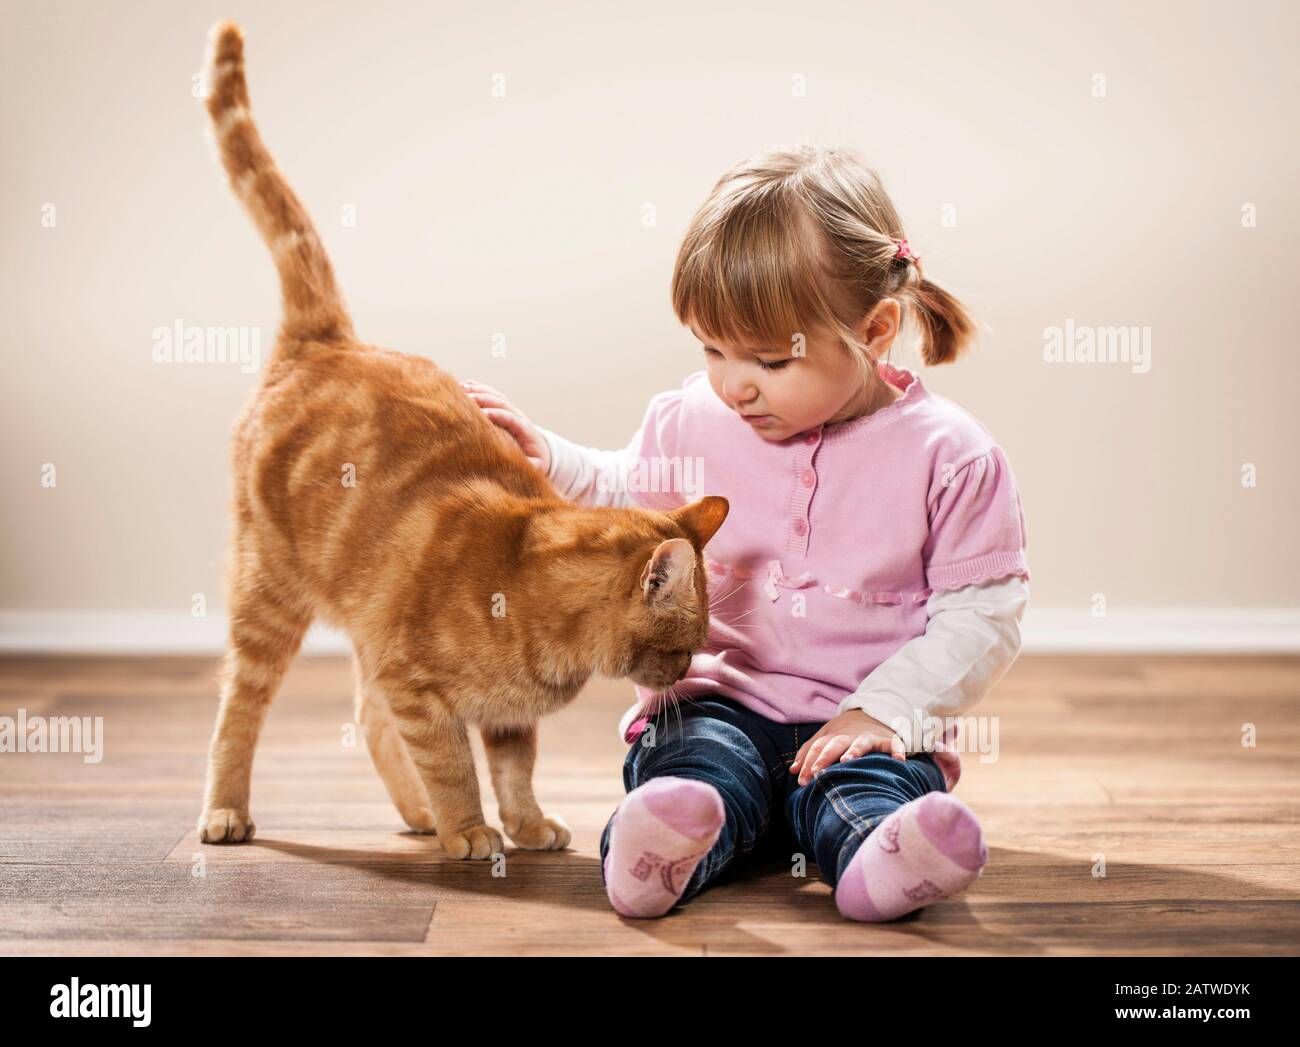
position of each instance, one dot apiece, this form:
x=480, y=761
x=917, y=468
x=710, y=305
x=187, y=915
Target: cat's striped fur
x=370, y=492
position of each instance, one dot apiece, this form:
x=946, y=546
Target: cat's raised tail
x=313, y=307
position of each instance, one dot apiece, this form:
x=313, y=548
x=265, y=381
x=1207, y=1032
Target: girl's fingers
x=486, y=396
x=862, y=745
x=520, y=431
x=821, y=751
x=501, y=417
x=813, y=748
x=488, y=400
x=830, y=753
x=815, y=761
x=507, y=421
x=867, y=743
x=470, y=383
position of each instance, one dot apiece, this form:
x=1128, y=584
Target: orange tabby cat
x=372, y=493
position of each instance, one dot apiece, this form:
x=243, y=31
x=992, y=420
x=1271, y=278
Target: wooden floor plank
x=1129, y=765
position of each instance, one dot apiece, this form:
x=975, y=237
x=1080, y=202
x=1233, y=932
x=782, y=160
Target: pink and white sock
x=660, y=833
x=929, y=848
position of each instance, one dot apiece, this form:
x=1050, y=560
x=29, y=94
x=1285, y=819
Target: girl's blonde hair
x=804, y=240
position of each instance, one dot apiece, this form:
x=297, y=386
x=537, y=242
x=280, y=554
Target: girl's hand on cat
x=849, y=735
x=505, y=415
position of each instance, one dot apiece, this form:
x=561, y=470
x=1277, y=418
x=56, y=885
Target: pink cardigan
x=835, y=542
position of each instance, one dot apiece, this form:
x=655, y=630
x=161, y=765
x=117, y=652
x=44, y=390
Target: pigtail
x=944, y=324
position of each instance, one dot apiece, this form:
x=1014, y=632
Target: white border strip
x=1045, y=630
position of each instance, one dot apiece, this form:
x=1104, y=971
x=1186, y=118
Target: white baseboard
x=1153, y=630
x=1162, y=630
x=133, y=632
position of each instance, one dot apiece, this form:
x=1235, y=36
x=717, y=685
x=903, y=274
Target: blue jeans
x=747, y=759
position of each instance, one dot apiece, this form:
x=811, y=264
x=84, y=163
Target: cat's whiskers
x=738, y=617
x=677, y=697
x=743, y=613
x=670, y=701
x=727, y=596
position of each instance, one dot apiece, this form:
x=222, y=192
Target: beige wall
x=523, y=215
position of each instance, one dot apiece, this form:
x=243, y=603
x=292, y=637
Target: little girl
x=871, y=573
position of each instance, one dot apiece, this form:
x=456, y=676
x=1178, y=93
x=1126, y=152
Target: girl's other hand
x=850, y=735
x=505, y=415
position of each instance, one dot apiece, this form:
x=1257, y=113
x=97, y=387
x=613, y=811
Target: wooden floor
x=1134, y=762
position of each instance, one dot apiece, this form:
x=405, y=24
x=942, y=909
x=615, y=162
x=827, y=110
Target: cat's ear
x=671, y=566
x=702, y=518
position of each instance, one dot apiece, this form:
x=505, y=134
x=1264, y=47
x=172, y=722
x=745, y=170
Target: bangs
x=750, y=271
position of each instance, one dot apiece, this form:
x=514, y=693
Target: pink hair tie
x=904, y=251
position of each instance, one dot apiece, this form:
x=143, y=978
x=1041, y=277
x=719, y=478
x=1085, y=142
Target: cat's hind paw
x=420, y=821
x=225, y=825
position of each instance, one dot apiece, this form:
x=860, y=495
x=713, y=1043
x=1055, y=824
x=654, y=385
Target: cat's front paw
x=548, y=833
x=225, y=825
x=477, y=842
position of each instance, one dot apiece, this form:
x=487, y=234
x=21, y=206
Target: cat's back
x=341, y=441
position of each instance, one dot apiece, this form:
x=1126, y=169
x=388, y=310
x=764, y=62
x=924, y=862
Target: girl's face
x=781, y=395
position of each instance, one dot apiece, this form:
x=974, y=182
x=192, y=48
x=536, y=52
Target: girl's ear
x=670, y=566
x=701, y=519
x=880, y=327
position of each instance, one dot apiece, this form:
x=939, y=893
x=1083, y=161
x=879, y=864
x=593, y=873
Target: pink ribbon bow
x=775, y=577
